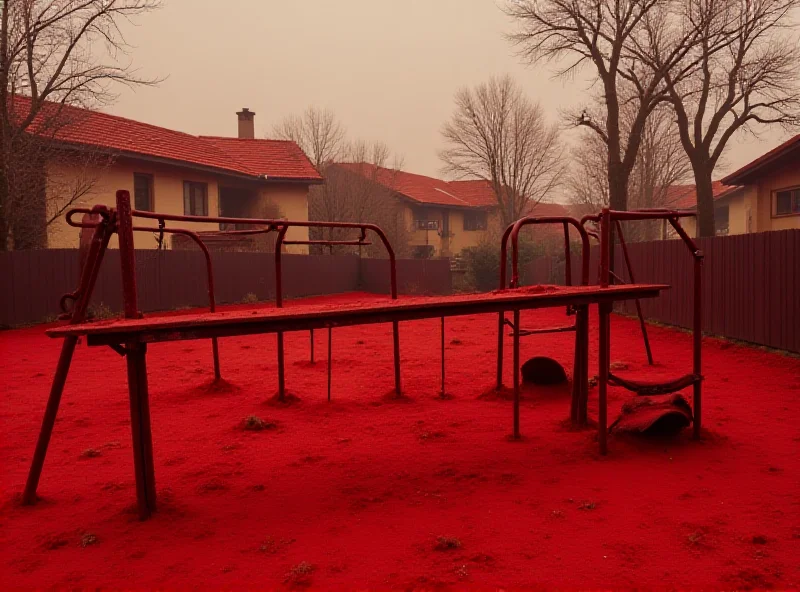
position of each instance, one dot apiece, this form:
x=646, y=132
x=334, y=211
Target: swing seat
x=655, y=388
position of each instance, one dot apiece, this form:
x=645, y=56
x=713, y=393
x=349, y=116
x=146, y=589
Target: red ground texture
x=371, y=492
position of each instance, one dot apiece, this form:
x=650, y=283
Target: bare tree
x=361, y=188
x=318, y=133
x=604, y=34
x=660, y=164
x=742, y=75
x=499, y=135
x=48, y=62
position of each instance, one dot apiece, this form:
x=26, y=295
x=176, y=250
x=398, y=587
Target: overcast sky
x=388, y=68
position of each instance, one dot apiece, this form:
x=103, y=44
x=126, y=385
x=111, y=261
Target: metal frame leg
x=281, y=371
x=49, y=420
x=443, y=391
x=500, y=327
x=516, y=375
x=604, y=356
x=141, y=433
x=330, y=360
x=396, y=344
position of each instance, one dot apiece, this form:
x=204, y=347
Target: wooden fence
x=33, y=281
x=751, y=284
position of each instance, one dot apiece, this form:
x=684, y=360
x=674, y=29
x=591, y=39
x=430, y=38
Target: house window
x=143, y=192
x=721, y=220
x=427, y=224
x=787, y=202
x=195, y=199
x=475, y=220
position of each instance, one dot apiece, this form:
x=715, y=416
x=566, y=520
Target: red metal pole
x=90, y=270
x=212, y=302
x=501, y=317
x=279, y=304
x=442, y=391
x=567, y=258
x=697, y=339
x=136, y=354
x=516, y=375
x=330, y=359
x=604, y=358
x=604, y=354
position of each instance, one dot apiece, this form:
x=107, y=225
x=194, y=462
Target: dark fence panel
x=33, y=281
x=751, y=284
x=414, y=276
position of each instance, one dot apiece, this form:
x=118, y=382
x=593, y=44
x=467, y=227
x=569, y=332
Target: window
x=427, y=224
x=475, y=221
x=143, y=192
x=195, y=199
x=721, y=220
x=787, y=202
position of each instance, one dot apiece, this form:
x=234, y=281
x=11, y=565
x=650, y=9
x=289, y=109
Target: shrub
x=483, y=263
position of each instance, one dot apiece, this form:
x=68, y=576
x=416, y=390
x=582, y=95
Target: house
x=771, y=188
x=171, y=172
x=729, y=210
x=443, y=217
x=763, y=195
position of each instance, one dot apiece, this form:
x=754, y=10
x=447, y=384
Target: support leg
x=49, y=420
x=396, y=343
x=140, y=429
x=604, y=355
x=281, y=375
x=330, y=359
x=500, y=327
x=580, y=386
x=215, y=354
x=516, y=375
x=442, y=392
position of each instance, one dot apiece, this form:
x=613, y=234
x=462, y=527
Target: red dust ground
x=369, y=492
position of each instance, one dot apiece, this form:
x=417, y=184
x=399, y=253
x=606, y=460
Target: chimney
x=246, y=126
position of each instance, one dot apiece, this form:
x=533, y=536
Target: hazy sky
x=388, y=68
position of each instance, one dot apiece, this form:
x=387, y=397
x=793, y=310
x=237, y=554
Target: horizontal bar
x=326, y=242
x=283, y=320
x=526, y=332
x=650, y=214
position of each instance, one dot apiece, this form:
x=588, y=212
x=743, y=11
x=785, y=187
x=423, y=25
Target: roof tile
x=255, y=158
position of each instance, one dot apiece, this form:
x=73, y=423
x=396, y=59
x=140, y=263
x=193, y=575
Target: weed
x=249, y=298
x=254, y=423
x=447, y=543
x=300, y=574
x=100, y=312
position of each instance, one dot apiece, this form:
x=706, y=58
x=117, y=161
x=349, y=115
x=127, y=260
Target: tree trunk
x=705, y=201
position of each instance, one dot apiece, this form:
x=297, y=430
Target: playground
x=420, y=492
x=396, y=445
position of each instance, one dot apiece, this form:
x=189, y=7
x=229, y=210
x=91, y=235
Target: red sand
x=361, y=488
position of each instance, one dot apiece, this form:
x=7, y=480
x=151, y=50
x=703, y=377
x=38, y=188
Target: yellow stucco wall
x=787, y=178
x=458, y=240
x=167, y=198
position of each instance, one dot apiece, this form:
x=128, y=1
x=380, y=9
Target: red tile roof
x=417, y=188
x=739, y=177
x=549, y=209
x=684, y=197
x=277, y=159
x=477, y=192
